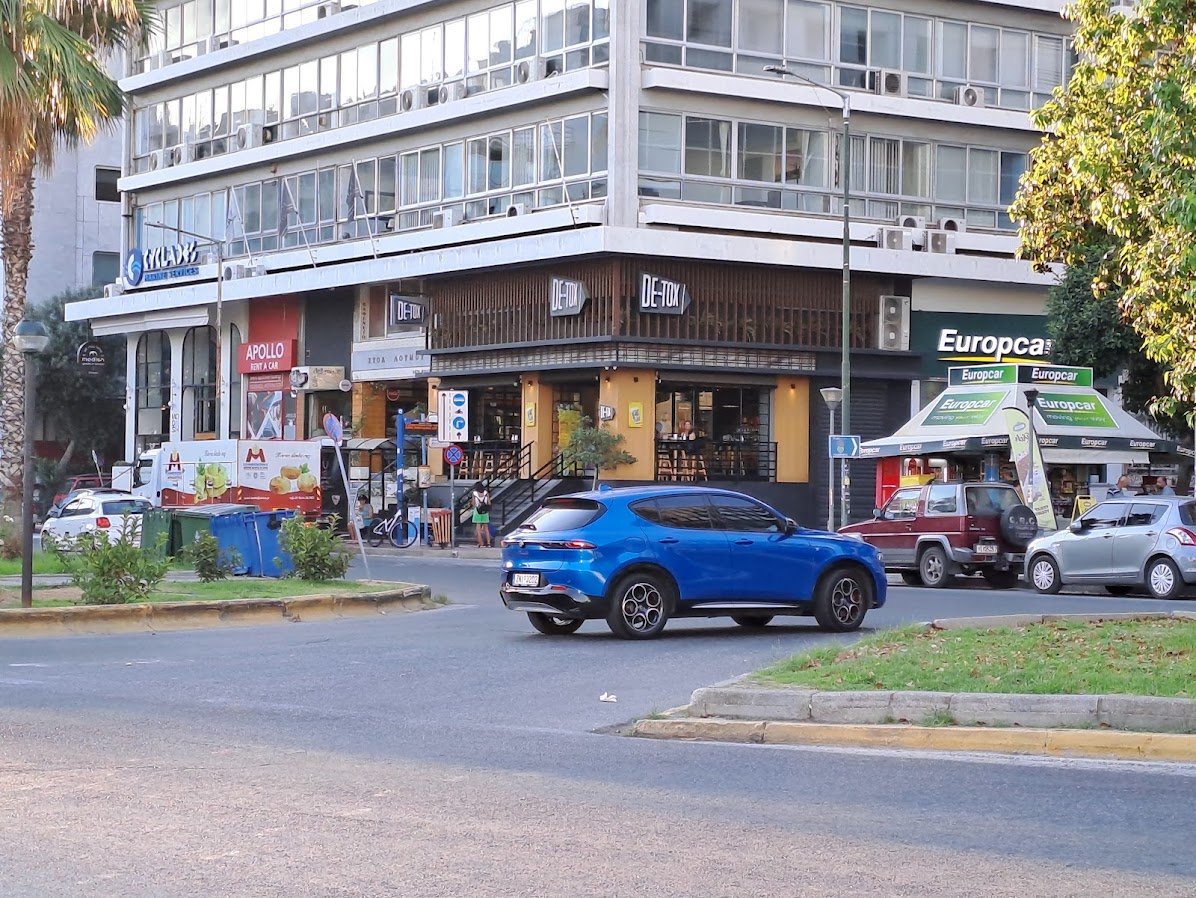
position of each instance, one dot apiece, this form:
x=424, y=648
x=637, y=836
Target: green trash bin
x=155, y=524
x=190, y=522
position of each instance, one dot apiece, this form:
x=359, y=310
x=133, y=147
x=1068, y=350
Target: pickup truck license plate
x=986, y=549
x=525, y=579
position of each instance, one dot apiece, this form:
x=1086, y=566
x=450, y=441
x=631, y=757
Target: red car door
x=892, y=531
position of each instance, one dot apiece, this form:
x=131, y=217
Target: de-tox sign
x=964, y=409
x=1073, y=410
x=660, y=296
x=566, y=297
x=175, y=260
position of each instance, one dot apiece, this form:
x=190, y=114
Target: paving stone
x=1147, y=713
x=914, y=707
x=746, y=703
x=850, y=707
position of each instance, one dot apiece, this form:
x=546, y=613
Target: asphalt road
x=457, y=753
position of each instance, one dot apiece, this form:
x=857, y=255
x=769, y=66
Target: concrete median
x=162, y=616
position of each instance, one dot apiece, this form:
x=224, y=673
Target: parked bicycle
x=401, y=533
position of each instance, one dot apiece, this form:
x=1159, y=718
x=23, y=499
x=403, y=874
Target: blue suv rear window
x=564, y=514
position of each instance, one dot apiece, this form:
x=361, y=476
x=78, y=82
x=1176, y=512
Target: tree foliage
x=85, y=409
x=596, y=448
x=1117, y=170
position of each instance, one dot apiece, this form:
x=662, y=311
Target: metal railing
x=701, y=460
x=524, y=492
x=508, y=468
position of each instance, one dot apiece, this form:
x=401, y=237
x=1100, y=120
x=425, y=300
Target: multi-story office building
x=602, y=208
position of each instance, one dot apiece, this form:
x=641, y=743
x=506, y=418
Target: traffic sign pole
x=453, y=456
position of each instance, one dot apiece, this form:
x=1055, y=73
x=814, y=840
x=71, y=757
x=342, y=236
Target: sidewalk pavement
x=423, y=551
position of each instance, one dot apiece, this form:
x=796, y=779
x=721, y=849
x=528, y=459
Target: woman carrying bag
x=481, y=516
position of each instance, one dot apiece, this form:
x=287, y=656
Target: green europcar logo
x=1073, y=410
x=964, y=409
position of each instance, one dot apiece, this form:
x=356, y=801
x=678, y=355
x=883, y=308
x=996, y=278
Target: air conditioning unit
x=174, y=154
x=957, y=225
x=413, y=98
x=969, y=95
x=253, y=135
x=445, y=218
x=330, y=8
x=190, y=149
x=895, y=238
x=235, y=272
x=113, y=290
x=516, y=209
x=218, y=42
x=161, y=60
x=159, y=159
x=313, y=377
x=454, y=90
x=916, y=222
x=893, y=332
x=940, y=242
x=535, y=69
x=889, y=83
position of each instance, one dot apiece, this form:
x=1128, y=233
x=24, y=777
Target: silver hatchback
x=1121, y=544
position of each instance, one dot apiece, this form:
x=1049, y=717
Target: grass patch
x=188, y=591
x=43, y=563
x=1153, y=657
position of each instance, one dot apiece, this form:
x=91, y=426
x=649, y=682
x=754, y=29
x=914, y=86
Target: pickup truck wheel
x=911, y=578
x=933, y=568
x=1000, y=579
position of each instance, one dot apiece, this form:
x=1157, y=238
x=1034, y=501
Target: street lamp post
x=218, y=245
x=845, y=330
x=31, y=339
x=832, y=396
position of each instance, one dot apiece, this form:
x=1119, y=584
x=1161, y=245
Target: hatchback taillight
x=1183, y=536
x=103, y=523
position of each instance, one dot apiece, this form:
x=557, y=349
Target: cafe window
x=495, y=414
x=722, y=413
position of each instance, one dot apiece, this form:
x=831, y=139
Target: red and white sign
x=272, y=344
x=262, y=356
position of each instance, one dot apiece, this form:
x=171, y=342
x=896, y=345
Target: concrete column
x=176, y=382
x=622, y=201
x=632, y=394
x=131, y=341
x=537, y=419
x=791, y=429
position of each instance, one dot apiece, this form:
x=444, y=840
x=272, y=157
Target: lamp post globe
x=30, y=336
x=833, y=397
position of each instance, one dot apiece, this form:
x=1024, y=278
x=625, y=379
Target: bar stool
x=665, y=469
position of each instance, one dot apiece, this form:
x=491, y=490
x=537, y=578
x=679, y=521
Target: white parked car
x=94, y=510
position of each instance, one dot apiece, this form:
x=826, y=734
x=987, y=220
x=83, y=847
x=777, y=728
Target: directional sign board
x=453, y=416
x=334, y=427
x=844, y=446
x=453, y=456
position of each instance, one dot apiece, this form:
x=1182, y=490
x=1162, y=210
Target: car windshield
x=563, y=514
x=118, y=507
x=990, y=499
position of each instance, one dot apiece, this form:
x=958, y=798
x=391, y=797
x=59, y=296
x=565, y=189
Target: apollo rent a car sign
x=264, y=356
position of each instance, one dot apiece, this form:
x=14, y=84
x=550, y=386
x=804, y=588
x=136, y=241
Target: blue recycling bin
x=230, y=524
x=264, y=530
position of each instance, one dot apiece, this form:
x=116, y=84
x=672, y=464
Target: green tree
x=86, y=409
x=597, y=448
x=1118, y=169
x=55, y=92
x=1088, y=330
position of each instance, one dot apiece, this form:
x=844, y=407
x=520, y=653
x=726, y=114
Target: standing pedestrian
x=480, y=500
x=1121, y=490
x=1163, y=488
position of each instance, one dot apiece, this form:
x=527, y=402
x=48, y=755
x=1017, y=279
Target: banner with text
x=1027, y=458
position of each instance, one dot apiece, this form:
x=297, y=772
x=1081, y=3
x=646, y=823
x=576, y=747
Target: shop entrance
x=570, y=404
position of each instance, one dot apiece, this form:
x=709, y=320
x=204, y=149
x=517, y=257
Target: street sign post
x=335, y=428
x=844, y=446
x=453, y=456
x=452, y=416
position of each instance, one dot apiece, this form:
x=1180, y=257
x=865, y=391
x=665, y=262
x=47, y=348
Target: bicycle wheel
x=375, y=535
x=404, y=534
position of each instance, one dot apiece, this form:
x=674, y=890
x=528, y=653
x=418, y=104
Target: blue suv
x=638, y=556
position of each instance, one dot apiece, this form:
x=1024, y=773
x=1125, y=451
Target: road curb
x=164, y=616
x=1063, y=743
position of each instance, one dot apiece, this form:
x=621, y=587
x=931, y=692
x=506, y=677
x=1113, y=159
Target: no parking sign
x=453, y=456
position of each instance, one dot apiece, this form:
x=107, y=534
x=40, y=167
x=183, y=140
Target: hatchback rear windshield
x=563, y=514
x=1187, y=513
x=118, y=507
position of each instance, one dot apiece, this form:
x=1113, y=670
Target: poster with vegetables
x=199, y=473
x=280, y=475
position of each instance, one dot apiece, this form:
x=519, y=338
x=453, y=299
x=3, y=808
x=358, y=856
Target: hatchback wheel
x=752, y=620
x=842, y=599
x=1044, y=575
x=550, y=625
x=1163, y=579
x=933, y=568
x=639, y=606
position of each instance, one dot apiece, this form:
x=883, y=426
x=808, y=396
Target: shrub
x=316, y=552
x=113, y=571
x=211, y=562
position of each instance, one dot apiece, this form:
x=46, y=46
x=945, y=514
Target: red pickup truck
x=929, y=534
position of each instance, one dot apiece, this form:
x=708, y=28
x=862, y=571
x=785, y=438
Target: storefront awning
x=1073, y=422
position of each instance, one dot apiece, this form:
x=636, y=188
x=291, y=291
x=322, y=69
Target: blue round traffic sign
x=453, y=455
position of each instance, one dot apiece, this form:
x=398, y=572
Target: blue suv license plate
x=525, y=579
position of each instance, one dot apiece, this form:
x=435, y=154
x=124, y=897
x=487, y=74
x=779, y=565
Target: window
x=685, y=512
x=106, y=179
x=1105, y=516
x=1142, y=514
x=708, y=147
x=744, y=516
x=760, y=152
x=199, y=382
x=989, y=500
x=709, y=22
x=942, y=500
x=660, y=142
x=557, y=515
x=904, y=504
x=758, y=29
x=808, y=30
x=105, y=268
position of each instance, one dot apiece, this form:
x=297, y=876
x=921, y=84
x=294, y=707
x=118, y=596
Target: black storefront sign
x=566, y=298
x=660, y=296
x=91, y=358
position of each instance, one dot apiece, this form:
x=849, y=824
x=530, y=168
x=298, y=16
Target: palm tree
x=55, y=92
